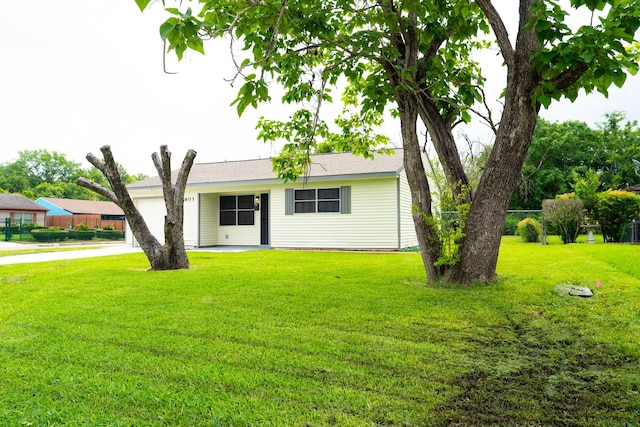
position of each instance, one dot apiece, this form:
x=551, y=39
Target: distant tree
x=558, y=151
x=39, y=166
x=619, y=144
x=172, y=255
x=40, y=173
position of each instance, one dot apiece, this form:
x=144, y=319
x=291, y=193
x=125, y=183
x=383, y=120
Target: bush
x=82, y=234
x=529, y=230
x=110, y=234
x=51, y=234
x=567, y=214
x=614, y=209
x=82, y=227
x=510, y=226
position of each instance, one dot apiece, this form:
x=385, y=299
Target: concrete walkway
x=106, y=250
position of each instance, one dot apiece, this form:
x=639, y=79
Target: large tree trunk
x=425, y=224
x=484, y=225
x=172, y=255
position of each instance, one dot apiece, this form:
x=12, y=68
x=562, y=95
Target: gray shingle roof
x=338, y=165
x=17, y=202
x=86, y=206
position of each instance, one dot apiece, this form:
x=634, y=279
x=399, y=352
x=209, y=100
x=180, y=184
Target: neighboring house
x=67, y=213
x=634, y=189
x=20, y=209
x=346, y=202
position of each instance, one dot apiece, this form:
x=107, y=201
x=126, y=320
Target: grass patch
x=318, y=338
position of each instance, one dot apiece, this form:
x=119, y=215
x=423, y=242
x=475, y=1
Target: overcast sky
x=80, y=74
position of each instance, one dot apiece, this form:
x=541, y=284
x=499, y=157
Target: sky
x=78, y=75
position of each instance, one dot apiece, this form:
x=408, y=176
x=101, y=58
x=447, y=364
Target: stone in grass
x=573, y=290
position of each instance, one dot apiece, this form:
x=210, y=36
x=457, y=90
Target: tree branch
x=569, y=76
x=499, y=29
x=97, y=188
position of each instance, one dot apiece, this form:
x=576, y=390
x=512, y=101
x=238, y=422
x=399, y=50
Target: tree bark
x=484, y=225
x=445, y=145
x=423, y=220
x=172, y=255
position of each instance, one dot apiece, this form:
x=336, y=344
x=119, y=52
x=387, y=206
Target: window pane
x=332, y=206
x=305, y=207
x=227, y=202
x=305, y=194
x=328, y=193
x=246, y=217
x=227, y=217
x=245, y=202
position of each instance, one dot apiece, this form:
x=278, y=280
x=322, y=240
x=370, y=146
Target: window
x=25, y=217
x=317, y=200
x=237, y=210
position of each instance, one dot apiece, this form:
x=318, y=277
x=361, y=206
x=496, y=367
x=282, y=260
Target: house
x=69, y=213
x=634, y=189
x=20, y=210
x=346, y=202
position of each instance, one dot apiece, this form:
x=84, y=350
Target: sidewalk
x=105, y=250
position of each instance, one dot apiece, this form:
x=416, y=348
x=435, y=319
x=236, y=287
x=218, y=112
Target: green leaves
x=142, y=4
x=251, y=93
x=594, y=56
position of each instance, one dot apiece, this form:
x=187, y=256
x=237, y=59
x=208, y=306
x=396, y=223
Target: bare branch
x=488, y=117
x=97, y=188
x=183, y=174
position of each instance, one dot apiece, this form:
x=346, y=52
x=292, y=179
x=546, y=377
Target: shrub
x=566, y=213
x=82, y=227
x=529, y=230
x=614, y=209
x=82, y=234
x=510, y=225
x=110, y=234
x=50, y=234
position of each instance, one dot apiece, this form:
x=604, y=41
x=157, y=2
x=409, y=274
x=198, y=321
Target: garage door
x=153, y=211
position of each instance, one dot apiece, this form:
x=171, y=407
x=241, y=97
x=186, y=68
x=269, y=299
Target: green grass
x=286, y=338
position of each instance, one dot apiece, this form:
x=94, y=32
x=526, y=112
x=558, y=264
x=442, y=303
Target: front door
x=264, y=218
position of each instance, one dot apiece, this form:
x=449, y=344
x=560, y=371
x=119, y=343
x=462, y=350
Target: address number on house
x=190, y=199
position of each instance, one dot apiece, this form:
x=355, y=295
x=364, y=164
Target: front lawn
x=286, y=338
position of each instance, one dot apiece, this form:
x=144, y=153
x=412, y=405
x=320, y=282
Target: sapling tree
x=414, y=58
x=172, y=255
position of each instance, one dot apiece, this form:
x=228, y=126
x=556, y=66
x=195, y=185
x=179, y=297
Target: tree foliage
x=566, y=213
x=414, y=58
x=43, y=173
x=614, y=210
x=564, y=154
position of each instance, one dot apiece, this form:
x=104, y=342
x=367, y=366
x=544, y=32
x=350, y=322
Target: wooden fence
x=92, y=220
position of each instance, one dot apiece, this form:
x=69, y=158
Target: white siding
x=407, y=227
x=372, y=223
